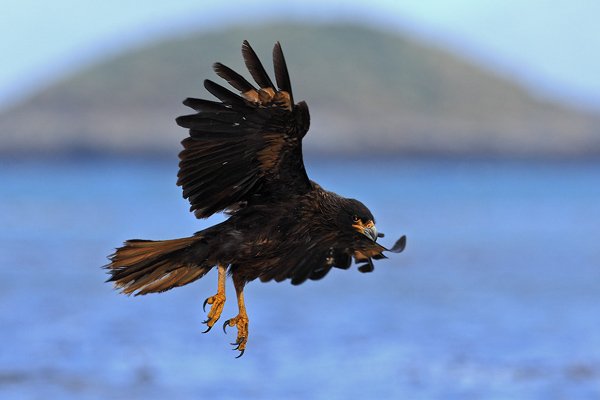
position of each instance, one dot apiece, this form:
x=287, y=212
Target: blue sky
x=551, y=46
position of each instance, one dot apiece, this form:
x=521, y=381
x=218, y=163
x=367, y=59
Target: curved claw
x=207, y=329
x=225, y=326
x=241, y=353
x=204, y=304
x=238, y=343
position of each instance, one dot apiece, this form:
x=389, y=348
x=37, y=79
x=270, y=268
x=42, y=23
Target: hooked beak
x=371, y=233
x=367, y=229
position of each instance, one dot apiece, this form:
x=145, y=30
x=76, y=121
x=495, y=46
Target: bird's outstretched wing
x=315, y=259
x=247, y=146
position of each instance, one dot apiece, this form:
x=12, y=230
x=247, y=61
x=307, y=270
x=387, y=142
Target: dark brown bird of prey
x=243, y=157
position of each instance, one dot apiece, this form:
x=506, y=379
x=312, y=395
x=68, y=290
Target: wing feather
x=233, y=78
x=255, y=67
x=225, y=95
x=325, y=250
x=205, y=105
x=281, y=72
x=323, y=258
x=247, y=146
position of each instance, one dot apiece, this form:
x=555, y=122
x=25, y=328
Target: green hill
x=368, y=92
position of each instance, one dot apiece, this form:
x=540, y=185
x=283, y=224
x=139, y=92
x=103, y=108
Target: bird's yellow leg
x=217, y=301
x=241, y=320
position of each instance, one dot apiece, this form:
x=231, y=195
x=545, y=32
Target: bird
x=243, y=158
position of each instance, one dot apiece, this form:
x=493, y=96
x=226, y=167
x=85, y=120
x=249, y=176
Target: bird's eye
x=355, y=218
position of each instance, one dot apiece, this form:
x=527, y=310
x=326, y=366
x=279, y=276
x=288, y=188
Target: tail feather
x=149, y=266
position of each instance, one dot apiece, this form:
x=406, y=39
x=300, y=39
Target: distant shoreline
x=371, y=94
x=309, y=156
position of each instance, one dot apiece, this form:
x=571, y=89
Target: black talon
x=204, y=305
x=207, y=329
x=206, y=321
x=225, y=326
x=238, y=342
x=241, y=353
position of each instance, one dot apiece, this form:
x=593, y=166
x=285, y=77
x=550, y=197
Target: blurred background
x=473, y=127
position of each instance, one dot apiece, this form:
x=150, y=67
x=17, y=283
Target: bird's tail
x=148, y=266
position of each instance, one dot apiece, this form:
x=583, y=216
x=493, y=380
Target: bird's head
x=358, y=216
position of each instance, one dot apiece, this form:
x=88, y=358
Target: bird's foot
x=216, y=307
x=241, y=322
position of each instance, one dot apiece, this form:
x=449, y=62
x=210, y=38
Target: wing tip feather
x=282, y=75
x=255, y=67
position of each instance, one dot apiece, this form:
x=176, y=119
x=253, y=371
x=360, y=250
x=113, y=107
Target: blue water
x=497, y=295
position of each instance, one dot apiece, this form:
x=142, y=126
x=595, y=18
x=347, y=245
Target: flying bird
x=243, y=157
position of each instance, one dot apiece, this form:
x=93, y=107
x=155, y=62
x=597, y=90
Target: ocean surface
x=497, y=295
